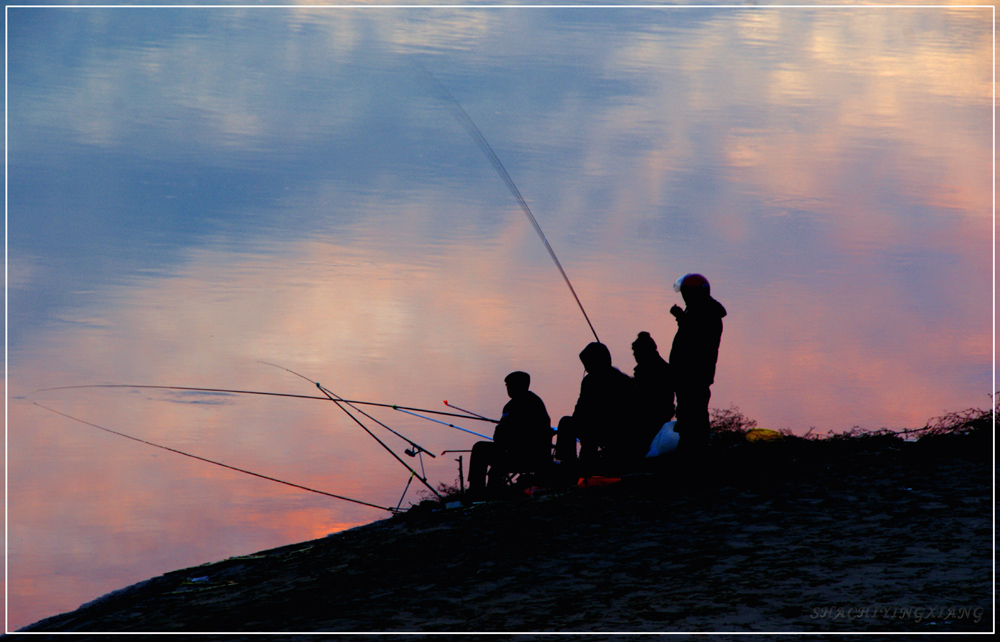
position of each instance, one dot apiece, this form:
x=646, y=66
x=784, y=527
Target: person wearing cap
x=653, y=382
x=522, y=440
x=693, y=356
x=602, y=418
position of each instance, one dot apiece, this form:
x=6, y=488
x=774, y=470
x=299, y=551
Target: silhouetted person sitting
x=654, y=391
x=693, y=356
x=522, y=441
x=602, y=418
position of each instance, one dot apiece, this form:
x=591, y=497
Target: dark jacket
x=525, y=430
x=696, y=345
x=605, y=407
x=654, y=392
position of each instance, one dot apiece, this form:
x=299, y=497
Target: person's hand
x=677, y=311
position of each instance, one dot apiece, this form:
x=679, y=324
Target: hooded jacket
x=606, y=402
x=695, y=349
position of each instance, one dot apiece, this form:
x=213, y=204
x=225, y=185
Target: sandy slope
x=864, y=535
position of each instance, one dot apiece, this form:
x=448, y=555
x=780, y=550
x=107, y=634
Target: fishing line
x=341, y=404
x=460, y=114
x=212, y=461
x=257, y=392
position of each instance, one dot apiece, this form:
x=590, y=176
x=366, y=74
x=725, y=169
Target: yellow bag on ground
x=763, y=434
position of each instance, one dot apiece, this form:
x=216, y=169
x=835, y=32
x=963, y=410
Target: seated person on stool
x=522, y=441
x=602, y=419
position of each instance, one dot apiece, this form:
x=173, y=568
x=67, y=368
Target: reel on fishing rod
x=417, y=449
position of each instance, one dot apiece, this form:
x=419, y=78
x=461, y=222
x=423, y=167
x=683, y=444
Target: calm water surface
x=193, y=192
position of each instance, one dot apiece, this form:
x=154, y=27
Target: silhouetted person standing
x=653, y=382
x=602, y=418
x=693, y=356
x=522, y=441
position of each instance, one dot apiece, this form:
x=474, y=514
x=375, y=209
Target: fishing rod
x=342, y=403
x=438, y=421
x=416, y=448
x=460, y=114
x=268, y=394
x=470, y=413
x=216, y=463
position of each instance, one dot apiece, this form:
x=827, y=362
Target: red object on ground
x=597, y=481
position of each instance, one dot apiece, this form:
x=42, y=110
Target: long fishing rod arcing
x=268, y=394
x=342, y=404
x=216, y=463
x=460, y=114
x=415, y=447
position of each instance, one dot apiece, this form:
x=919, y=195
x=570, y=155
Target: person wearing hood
x=693, y=356
x=601, y=418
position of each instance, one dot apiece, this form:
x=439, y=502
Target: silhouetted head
x=693, y=287
x=517, y=383
x=643, y=346
x=596, y=356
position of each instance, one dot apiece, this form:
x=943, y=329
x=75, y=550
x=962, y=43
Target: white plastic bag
x=664, y=441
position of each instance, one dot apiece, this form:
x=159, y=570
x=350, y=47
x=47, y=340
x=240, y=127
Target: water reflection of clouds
x=817, y=133
x=181, y=90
